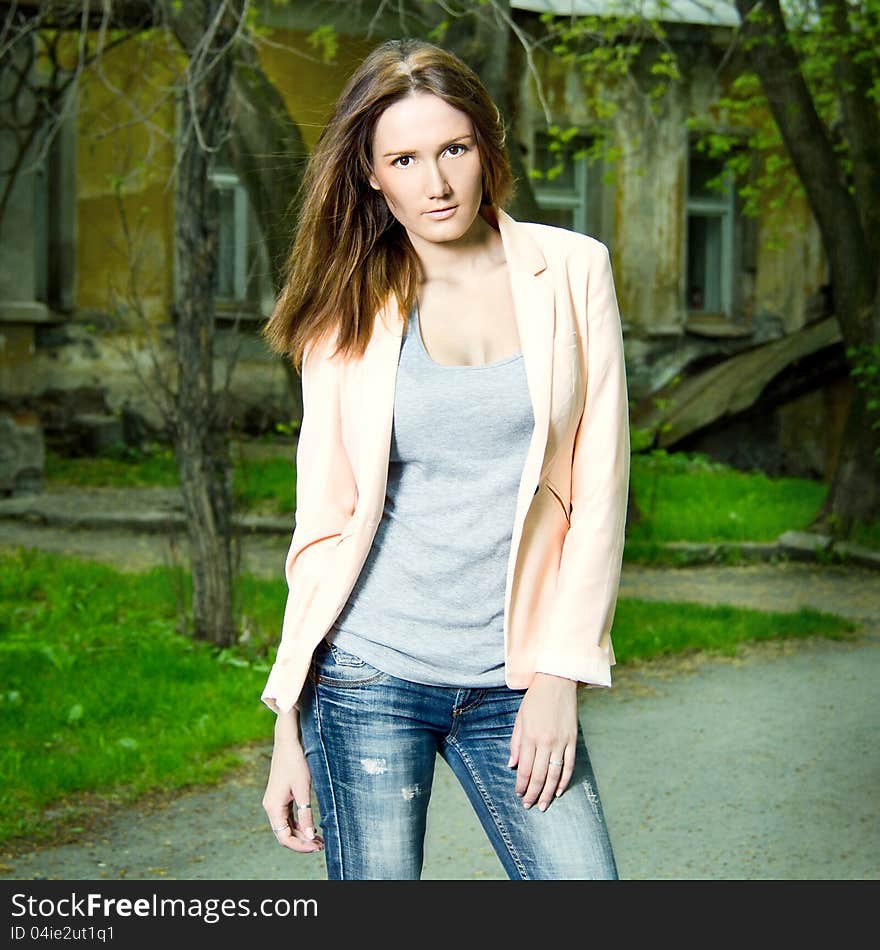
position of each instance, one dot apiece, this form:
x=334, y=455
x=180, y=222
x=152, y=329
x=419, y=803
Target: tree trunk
x=856, y=476
x=201, y=427
x=268, y=153
x=854, y=494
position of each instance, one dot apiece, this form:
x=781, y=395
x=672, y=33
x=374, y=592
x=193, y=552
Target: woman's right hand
x=290, y=782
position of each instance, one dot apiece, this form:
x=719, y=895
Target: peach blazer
x=568, y=533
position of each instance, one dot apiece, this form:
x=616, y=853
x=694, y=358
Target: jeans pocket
x=334, y=666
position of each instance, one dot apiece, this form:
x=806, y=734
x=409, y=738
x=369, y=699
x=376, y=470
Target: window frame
x=53, y=178
x=224, y=178
x=257, y=292
x=575, y=200
x=722, y=206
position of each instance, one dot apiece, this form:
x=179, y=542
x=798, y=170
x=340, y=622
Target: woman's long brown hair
x=349, y=253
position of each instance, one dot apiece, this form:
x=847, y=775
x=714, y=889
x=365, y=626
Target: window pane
x=566, y=180
x=703, y=169
x=42, y=228
x=224, y=282
x=704, y=263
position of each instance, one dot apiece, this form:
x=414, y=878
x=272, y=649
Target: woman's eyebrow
x=407, y=151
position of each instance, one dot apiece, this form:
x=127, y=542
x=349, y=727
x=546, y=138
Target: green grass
x=683, y=497
x=99, y=691
x=267, y=486
x=690, y=498
x=644, y=630
x=101, y=694
x=120, y=469
x=867, y=535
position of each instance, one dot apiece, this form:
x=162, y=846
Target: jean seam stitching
x=330, y=784
x=351, y=684
x=493, y=811
x=481, y=695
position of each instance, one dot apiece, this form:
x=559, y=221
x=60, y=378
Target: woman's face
x=425, y=159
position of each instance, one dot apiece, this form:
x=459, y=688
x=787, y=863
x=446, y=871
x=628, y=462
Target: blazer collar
x=520, y=248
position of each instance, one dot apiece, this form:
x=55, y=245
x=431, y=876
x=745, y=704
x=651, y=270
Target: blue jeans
x=371, y=741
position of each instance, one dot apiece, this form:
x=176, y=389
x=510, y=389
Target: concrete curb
x=161, y=513
x=791, y=545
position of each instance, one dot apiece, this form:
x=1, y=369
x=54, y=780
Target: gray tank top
x=428, y=605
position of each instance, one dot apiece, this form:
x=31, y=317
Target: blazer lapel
x=534, y=307
x=534, y=304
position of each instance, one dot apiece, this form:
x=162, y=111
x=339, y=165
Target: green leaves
x=325, y=41
x=438, y=33
x=608, y=52
x=864, y=361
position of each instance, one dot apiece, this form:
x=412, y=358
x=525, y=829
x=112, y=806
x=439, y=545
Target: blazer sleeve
x=325, y=497
x=577, y=641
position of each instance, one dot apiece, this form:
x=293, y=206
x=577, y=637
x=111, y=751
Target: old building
x=710, y=297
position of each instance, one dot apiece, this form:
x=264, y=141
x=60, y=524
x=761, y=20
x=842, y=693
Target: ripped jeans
x=371, y=741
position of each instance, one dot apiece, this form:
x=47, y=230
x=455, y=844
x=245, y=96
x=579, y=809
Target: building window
x=710, y=235
x=54, y=208
x=559, y=180
x=230, y=279
x=243, y=280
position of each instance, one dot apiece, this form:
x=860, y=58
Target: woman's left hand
x=545, y=734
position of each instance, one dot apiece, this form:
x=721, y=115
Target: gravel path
x=765, y=765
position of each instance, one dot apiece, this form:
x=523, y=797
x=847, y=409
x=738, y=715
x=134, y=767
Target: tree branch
x=860, y=120
x=808, y=143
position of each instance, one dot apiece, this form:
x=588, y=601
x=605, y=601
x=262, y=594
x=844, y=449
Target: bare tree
x=200, y=427
x=32, y=102
x=223, y=96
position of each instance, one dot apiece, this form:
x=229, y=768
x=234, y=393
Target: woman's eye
x=400, y=158
x=462, y=147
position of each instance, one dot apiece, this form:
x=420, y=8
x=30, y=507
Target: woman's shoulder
x=554, y=238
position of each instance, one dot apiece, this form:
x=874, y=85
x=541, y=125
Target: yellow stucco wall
x=125, y=156
x=309, y=86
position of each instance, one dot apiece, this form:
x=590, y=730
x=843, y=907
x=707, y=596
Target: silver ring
x=285, y=825
x=557, y=762
x=301, y=807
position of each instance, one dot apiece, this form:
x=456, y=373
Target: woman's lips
x=442, y=213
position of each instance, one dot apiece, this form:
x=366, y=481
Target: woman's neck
x=475, y=253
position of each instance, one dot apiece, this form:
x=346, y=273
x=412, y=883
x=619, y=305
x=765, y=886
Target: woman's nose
x=436, y=186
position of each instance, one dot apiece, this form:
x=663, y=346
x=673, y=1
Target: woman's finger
x=303, y=820
x=292, y=837
x=301, y=806
x=538, y=778
x=288, y=838
x=513, y=760
x=525, y=761
x=567, y=769
x=279, y=822
x=555, y=770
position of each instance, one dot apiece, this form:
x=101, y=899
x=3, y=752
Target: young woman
x=462, y=475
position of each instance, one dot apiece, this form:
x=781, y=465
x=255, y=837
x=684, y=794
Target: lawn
x=101, y=693
x=683, y=497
